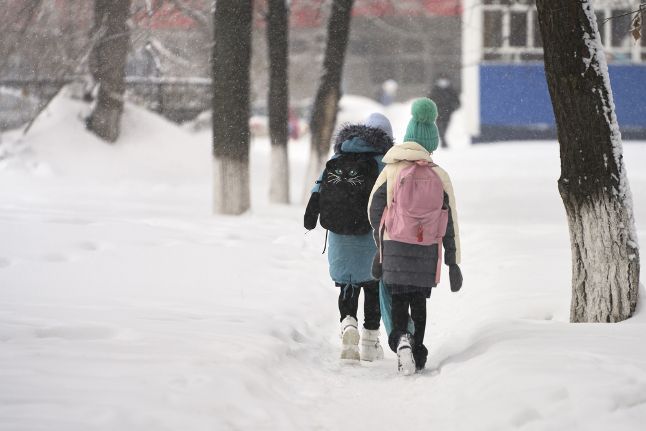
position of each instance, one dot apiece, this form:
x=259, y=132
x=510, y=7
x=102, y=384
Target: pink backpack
x=417, y=213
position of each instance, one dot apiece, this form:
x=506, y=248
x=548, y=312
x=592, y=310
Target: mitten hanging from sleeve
x=376, y=270
x=455, y=277
x=312, y=211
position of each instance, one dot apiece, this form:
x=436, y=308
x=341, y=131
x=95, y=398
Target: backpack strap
x=432, y=165
x=438, y=271
x=423, y=163
x=381, y=229
x=325, y=245
x=439, y=261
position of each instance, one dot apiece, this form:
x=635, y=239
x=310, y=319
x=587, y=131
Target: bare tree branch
x=199, y=16
x=640, y=10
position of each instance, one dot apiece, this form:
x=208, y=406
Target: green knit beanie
x=421, y=128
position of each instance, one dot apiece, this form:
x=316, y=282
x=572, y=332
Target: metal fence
x=177, y=99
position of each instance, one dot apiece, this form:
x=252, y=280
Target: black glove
x=376, y=270
x=455, y=277
x=312, y=211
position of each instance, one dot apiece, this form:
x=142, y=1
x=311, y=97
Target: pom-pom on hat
x=421, y=128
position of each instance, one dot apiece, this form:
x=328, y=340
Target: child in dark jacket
x=409, y=270
x=350, y=256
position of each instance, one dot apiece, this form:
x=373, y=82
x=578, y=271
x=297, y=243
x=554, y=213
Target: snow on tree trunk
x=231, y=61
x=230, y=185
x=329, y=91
x=108, y=66
x=277, y=36
x=279, y=175
x=593, y=183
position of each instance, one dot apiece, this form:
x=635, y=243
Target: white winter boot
x=370, y=348
x=405, y=360
x=350, y=336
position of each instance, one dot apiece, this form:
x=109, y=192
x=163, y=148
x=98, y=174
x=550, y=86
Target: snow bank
x=150, y=148
x=125, y=304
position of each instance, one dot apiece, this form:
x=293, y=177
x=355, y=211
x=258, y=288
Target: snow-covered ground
x=125, y=304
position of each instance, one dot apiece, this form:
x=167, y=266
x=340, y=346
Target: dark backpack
x=344, y=193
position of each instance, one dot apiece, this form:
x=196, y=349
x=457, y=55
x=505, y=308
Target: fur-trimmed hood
x=374, y=136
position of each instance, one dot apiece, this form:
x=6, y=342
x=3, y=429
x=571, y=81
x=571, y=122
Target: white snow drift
x=125, y=304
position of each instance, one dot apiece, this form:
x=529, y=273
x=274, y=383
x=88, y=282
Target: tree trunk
x=108, y=66
x=231, y=61
x=593, y=183
x=277, y=38
x=329, y=91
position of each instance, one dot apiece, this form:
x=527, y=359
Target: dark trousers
x=442, y=125
x=416, y=301
x=349, y=302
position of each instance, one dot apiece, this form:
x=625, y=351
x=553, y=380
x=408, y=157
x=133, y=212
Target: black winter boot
x=420, y=353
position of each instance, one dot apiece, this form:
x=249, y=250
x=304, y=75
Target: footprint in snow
x=93, y=246
x=55, y=258
x=69, y=220
x=159, y=243
x=78, y=333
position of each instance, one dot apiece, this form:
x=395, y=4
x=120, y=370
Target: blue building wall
x=515, y=97
x=628, y=84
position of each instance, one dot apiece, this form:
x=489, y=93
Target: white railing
x=502, y=30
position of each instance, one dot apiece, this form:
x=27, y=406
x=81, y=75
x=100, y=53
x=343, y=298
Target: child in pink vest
x=408, y=271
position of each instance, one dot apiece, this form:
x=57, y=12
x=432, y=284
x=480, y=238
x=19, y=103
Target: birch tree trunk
x=593, y=183
x=278, y=103
x=108, y=66
x=231, y=61
x=329, y=92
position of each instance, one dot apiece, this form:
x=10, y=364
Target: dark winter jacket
x=411, y=267
x=447, y=101
x=350, y=256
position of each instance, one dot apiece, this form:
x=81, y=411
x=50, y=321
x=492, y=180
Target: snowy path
x=125, y=304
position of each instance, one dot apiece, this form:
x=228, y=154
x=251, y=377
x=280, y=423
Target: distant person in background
x=388, y=92
x=447, y=100
x=293, y=124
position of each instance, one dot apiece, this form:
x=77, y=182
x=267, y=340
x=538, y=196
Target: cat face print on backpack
x=345, y=189
x=346, y=169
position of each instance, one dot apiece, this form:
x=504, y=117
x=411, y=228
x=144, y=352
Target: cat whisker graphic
x=355, y=180
x=334, y=178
